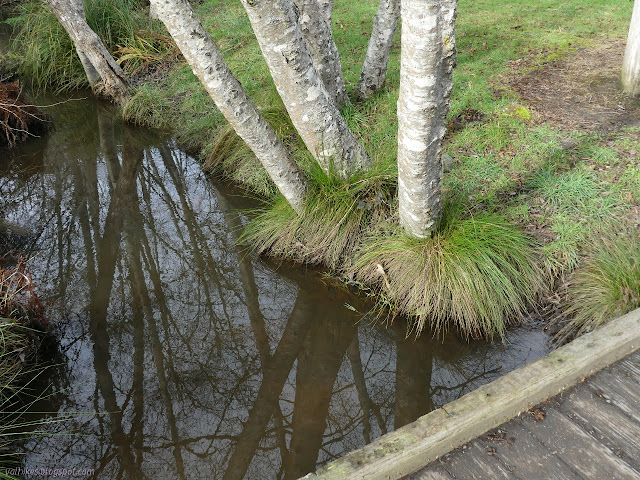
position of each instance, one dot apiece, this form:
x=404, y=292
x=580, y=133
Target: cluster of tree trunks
x=296, y=40
x=103, y=73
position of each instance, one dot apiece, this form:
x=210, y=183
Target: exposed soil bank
x=19, y=120
x=581, y=92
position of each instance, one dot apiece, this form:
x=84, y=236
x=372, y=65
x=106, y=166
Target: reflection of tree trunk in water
x=142, y=305
x=245, y=266
x=414, y=362
x=59, y=239
x=143, y=302
x=273, y=380
x=137, y=430
x=108, y=145
x=363, y=395
x=107, y=253
x=318, y=367
x=203, y=260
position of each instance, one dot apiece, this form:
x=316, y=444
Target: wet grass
x=510, y=168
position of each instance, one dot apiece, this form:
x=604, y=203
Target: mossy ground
x=513, y=161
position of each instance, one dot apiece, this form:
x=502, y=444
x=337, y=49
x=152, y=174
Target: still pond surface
x=182, y=356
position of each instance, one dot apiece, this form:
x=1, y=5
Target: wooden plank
x=619, y=390
x=631, y=366
x=605, y=422
x=475, y=463
x=577, y=448
x=524, y=455
x=432, y=472
x=409, y=448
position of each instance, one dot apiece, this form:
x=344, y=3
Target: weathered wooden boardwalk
x=586, y=426
x=591, y=431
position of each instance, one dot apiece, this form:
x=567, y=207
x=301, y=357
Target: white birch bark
x=631, y=62
x=427, y=61
x=374, y=70
x=103, y=73
x=152, y=12
x=207, y=63
x=314, y=17
x=316, y=118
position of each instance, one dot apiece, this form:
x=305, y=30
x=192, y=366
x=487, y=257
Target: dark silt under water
x=183, y=356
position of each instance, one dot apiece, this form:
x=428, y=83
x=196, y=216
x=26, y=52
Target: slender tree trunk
x=427, y=60
x=314, y=17
x=104, y=74
x=209, y=66
x=631, y=62
x=374, y=70
x=316, y=118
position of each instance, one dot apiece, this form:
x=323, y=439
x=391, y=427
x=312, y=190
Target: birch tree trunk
x=427, y=60
x=104, y=74
x=314, y=17
x=316, y=118
x=374, y=70
x=631, y=62
x=207, y=63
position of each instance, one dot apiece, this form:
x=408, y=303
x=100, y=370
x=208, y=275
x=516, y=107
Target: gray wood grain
x=432, y=472
x=474, y=463
x=525, y=455
x=621, y=391
x=577, y=448
x=605, y=422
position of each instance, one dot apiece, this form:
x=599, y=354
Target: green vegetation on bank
x=518, y=183
x=22, y=330
x=607, y=285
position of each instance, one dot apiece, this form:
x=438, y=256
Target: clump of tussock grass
x=606, y=286
x=336, y=216
x=475, y=275
x=46, y=55
x=147, y=108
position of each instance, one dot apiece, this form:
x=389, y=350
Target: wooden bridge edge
x=417, y=444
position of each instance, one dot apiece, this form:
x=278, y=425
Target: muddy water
x=183, y=356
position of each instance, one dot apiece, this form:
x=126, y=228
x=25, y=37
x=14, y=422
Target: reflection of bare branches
x=274, y=376
x=252, y=302
x=363, y=395
x=318, y=367
x=468, y=384
x=108, y=249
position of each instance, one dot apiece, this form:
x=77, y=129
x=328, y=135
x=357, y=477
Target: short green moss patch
x=606, y=286
x=475, y=275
